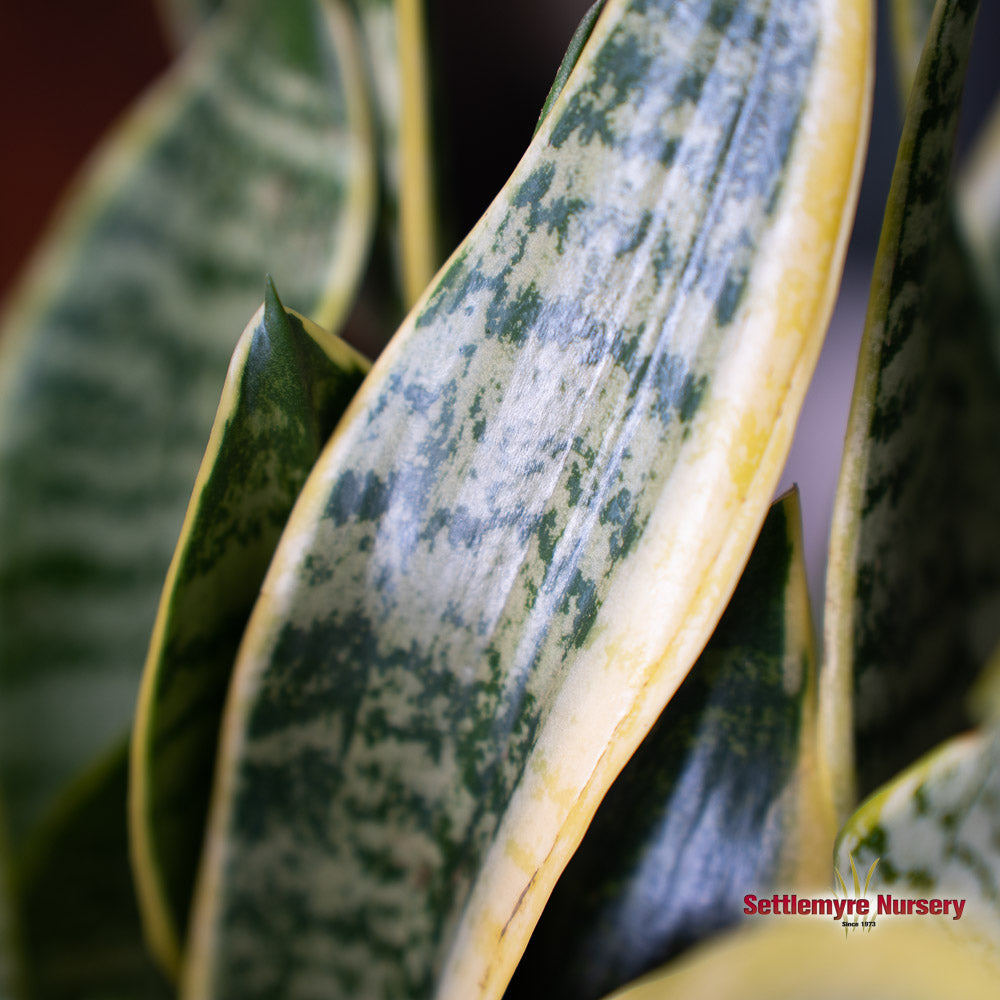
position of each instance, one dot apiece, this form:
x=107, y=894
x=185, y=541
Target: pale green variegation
x=288, y=384
x=534, y=512
x=979, y=210
x=720, y=799
x=935, y=829
x=806, y=959
x=80, y=933
x=252, y=156
x=913, y=585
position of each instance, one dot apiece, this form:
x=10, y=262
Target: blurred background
x=70, y=68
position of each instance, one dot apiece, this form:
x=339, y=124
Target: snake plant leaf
x=935, y=829
x=81, y=930
x=913, y=585
x=721, y=798
x=808, y=959
x=978, y=193
x=288, y=384
x=253, y=156
x=909, y=23
x=534, y=512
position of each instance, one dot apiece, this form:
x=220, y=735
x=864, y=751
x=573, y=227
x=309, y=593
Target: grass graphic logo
x=860, y=897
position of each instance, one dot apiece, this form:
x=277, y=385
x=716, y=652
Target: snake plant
x=487, y=667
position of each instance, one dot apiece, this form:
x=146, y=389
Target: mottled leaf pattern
x=253, y=156
x=82, y=936
x=936, y=830
x=288, y=384
x=534, y=512
x=913, y=588
x=809, y=960
x=720, y=798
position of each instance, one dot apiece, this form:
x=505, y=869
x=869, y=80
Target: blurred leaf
x=720, y=799
x=288, y=384
x=253, y=155
x=527, y=527
x=913, y=586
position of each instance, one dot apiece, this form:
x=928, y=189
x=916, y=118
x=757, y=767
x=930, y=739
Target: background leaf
x=253, y=155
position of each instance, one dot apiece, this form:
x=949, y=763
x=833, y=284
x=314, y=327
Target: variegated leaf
x=288, y=384
x=913, y=586
x=979, y=210
x=534, y=512
x=808, y=959
x=720, y=799
x=253, y=156
x=935, y=829
x=81, y=931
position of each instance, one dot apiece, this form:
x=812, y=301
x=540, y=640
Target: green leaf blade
x=463, y=637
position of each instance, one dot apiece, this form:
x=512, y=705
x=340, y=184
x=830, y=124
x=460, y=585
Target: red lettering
x=749, y=904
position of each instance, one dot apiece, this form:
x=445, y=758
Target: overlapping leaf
x=253, y=156
x=913, y=590
x=534, y=513
x=288, y=384
x=721, y=798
